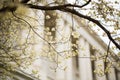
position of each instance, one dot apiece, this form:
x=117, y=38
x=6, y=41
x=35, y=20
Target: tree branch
x=8, y=8
x=94, y=21
x=106, y=55
x=13, y=8
x=65, y=9
x=75, y=5
x=25, y=1
x=58, y=6
x=86, y=3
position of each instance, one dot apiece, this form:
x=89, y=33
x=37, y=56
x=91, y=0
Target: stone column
x=60, y=74
x=69, y=70
x=85, y=68
x=118, y=75
x=112, y=74
x=99, y=68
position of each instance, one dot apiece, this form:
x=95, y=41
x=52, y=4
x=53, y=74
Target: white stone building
x=75, y=52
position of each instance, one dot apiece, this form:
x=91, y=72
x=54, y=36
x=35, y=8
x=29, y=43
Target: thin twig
x=107, y=54
x=36, y=33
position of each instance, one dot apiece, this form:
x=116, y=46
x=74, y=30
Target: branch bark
x=96, y=22
x=25, y=1
x=65, y=9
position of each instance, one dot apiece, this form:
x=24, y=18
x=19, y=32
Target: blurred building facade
x=71, y=51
